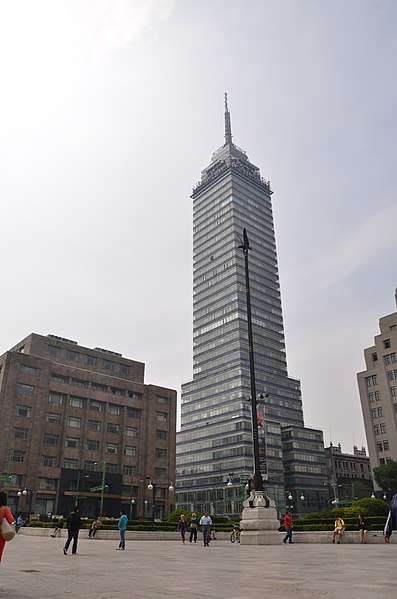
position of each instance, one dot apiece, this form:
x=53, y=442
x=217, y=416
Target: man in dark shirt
x=73, y=524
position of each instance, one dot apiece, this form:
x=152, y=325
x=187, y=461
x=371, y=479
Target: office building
x=377, y=386
x=214, y=445
x=80, y=425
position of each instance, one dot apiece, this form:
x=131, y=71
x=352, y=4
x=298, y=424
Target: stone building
x=79, y=425
x=378, y=392
x=348, y=475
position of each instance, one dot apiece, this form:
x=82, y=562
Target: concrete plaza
x=35, y=567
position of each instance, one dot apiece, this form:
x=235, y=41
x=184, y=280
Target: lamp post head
x=171, y=488
x=302, y=497
x=372, y=495
x=150, y=486
x=290, y=496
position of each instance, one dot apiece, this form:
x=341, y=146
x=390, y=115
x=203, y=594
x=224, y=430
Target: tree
x=386, y=476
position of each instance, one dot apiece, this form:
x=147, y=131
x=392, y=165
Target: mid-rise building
x=79, y=424
x=214, y=445
x=377, y=386
x=349, y=475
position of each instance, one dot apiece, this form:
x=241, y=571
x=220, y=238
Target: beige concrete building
x=79, y=424
x=378, y=392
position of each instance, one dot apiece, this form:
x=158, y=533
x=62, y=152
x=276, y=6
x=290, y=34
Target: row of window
x=382, y=445
x=75, y=422
x=346, y=465
x=48, y=461
x=74, y=356
x=377, y=412
x=379, y=429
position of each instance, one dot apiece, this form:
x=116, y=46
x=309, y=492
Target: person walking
x=391, y=522
x=20, y=523
x=122, y=525
x=182, y=527
x=73, y=523
x=4, y=513
x=58, y=527
x=206, y=523
x=362, y=527
x=339, y=529
x=94, y=527
x=193, y=525
x=288, y=528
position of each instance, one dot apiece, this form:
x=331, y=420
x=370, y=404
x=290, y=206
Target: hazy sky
x=109, y=109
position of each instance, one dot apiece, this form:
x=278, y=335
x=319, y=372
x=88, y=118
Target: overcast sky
x=109, y=110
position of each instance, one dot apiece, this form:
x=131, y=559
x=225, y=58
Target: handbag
x=7, y=530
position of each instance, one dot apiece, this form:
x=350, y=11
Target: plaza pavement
x=35, y=567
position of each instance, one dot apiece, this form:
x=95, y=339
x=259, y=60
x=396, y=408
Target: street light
x=258, y=482
x=230, y=482
x=372, y=495
x=29, y=492
x=102, y=487
x=152, y=487
x=132, y=503
x=171, y=489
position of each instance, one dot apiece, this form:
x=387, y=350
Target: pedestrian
x=391, y=522
x=94, y=527
x=122, y=525
x=4, y=513
x=182, y=527
x=362, y=527
x=58, y=527
x=206, y=523
x=20, y=523
x=288, y=528
x=339, y=529
x=73, y=523
x=193, y=525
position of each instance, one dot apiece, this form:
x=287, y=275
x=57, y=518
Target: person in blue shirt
x=20, y=522
x=122, y=528
x=206, y=523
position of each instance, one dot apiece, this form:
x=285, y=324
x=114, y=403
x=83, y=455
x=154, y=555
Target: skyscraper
x=378, y=392
x=214, y=445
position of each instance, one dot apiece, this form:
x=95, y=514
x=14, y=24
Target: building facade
x=79, y=425
x=349, y=475
x=214, y=445
x=377, y=386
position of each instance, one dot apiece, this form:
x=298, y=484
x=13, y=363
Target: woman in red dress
x=4, y=513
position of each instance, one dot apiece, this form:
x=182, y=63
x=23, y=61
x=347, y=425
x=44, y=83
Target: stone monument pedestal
x=259, y=523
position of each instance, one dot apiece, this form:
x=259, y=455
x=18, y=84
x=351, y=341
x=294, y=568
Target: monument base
x=259, y=523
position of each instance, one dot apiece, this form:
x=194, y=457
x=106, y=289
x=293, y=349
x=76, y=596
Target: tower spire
x=228, y=125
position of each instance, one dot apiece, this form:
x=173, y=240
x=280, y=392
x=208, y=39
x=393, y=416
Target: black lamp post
x=258, y=482
x=31, y=493
x=152, y=487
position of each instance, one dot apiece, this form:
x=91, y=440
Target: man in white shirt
x=206, y=523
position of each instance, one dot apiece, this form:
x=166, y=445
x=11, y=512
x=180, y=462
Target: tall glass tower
x=214, y=446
